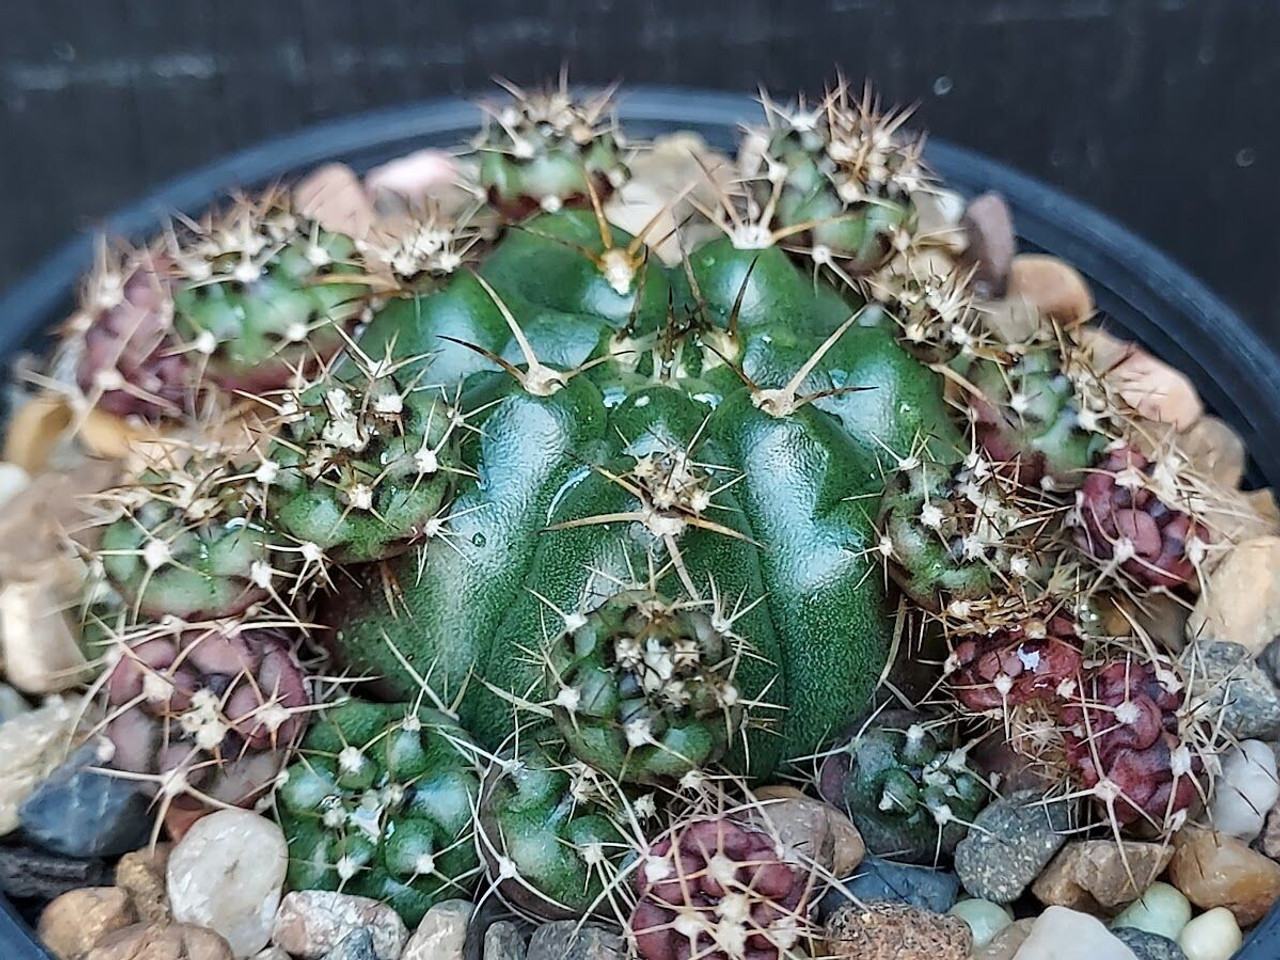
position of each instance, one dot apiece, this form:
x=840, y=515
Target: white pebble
x=1161, y=910
x=442, y=934
x=1246, y=790
x=1062, y=934
x=1214, y=935
x=226, y=874
x=985, y=919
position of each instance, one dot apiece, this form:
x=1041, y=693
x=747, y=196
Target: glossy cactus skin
x=553, y=834
x=717, y=889
x=1124, y=743
x=261, y=293
x=562, y=448
x=1038, y=660
x=1031, y=415
x=210, y=711
x=909, y=797
x=645, y=689
x=380, y=805
x=1123, y=521
x=364, y=464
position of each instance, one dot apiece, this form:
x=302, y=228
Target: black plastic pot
x=1143, y=294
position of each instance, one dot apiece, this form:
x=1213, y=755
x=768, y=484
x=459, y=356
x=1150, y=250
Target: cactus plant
x=909, y=796
x=380, y=804
x=719, y=889
x=1040, y=658
x=207, y=712
x=554, y=834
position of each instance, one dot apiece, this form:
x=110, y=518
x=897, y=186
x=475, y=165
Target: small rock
x=1214, y=935
x=1053, y=286
x=1010, y=320
x=988, y=224
x=312, y=922
x=32, y=746
x=1062, y=934
x=1008, y=770
x=141, y=874
x=572, y=940
x=1240, y=602
x=888, y=931
x=1096, y=876
x=226, y=874
x=1225, y=676
x=358, y=945
x=81, y=811
x=271, y=952
x=1269, y=841
x=1162, y=909
x=503, y=941
x=985, y=919
x=13, y=480
x=1007, y=942
x=938, y=217
x=406, y=182
x=1149, y=385
x=12, y=703
x=811, y=832
x=1215, y=450
x=1012, y=840
x=1269, y=660
x=77, y=921
x=1246, y=790
x=41, y=652
x=174, y=941
x=877, y=879
x=442, y=934
x=334, y=196
x=1148, y=946
x=1262, y=504
x=1214, y=870
x=30, y=873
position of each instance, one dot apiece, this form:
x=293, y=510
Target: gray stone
x=12, y=703
x=80, y=811
x=883, y=880
x=29, y=873
x=357, y=945
x=1226, y=675
x=1012, y=840
x=1148, y=946
x=572, y=940
x=503, y=941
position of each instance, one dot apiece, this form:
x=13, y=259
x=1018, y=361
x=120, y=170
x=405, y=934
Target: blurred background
x=1163, y=113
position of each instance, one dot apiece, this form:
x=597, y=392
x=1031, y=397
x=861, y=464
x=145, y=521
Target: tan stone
x=334, y=196
x=1007, y=942
x=177, y=941
x=32, y=745
x=1240, y=600
x=78, y=920
x=41, y=650
x=1269, y=841
x=1100, y=876
x=310, y=923
x=142, y=875
x=1215, y=451
x=892, y=931
x=34, y=524
x=1214, y=870
x=1153, y=388
x=1265, y=508
x=811, y=831
x=35, y=430
x=1055, y=287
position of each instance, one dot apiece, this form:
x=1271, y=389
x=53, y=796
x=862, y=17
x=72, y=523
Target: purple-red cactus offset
x=1123, y=741
x=128, y=362
x=210, y=711
x=718, y=890
x=1015, y=665
x=1123, y=521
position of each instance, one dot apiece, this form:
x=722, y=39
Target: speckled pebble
x=890, y=931
x=356, y=945
x=1225, y=675
x=442, y=932
x=310, y=923
x=1148, y=946
x=1012, y=840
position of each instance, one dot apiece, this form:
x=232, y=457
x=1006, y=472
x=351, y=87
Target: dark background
x=1161, y=112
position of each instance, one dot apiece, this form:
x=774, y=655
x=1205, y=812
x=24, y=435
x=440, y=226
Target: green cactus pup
x=363, y=462
x=381, y=804
x=643, y=688
x=554, y=834
x=909, y=796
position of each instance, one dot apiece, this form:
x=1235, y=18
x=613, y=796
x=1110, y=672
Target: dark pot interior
x=1141, y=293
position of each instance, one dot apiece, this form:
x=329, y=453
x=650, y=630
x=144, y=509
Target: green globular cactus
x=545, y=150
x=581, y=378
x=1042, y=414
x=555, y=834
x=909, y=796
x=260, y=292
x=644, y=689
x=380, y=804
x=843, y=174
x=363, y=462
x=186, y=538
